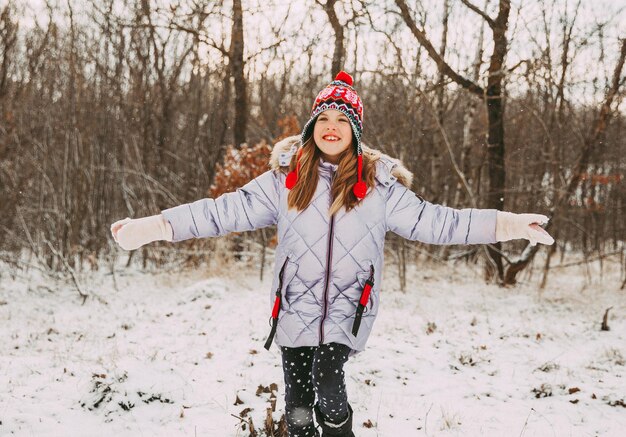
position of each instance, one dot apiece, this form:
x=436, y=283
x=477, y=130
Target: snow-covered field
x=169, y=354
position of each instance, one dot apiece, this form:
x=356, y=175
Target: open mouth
x=331, y=138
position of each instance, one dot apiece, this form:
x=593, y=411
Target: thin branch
x=387, y=35
x=446, y=141
x=483, y=14
x=69, y=269
x=596, y=258
x=523, y=61
x=420, y=35
x=263, y=49
x=175, y=26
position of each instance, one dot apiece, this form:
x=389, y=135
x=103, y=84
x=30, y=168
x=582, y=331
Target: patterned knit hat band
x=342, y=91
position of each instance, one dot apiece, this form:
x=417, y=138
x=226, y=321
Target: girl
x=333, y=200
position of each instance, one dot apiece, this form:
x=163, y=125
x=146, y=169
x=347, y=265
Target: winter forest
x=123, y=108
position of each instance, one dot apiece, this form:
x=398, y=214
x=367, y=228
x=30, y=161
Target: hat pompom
x=344, y=77
x=360, y=189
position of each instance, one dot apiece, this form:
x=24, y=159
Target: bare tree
x=593, y=142
x=492, y=97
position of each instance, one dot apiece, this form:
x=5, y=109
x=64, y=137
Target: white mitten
x=510, y=226
x=131, y=234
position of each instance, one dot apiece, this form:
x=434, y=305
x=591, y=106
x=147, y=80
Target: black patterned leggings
x=310, y=371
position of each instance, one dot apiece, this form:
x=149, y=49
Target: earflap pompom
x=292, y=177
x=360, y=189
x=291, y=180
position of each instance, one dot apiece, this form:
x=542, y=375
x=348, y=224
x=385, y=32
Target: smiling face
x=332, y=134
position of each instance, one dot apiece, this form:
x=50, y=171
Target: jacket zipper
x=329, y=258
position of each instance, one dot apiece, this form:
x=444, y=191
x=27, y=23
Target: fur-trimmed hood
x=386, y=168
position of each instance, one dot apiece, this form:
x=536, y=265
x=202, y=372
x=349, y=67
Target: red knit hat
x=338, y=95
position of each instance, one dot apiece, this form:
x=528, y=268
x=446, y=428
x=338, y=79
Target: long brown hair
x=346, y=176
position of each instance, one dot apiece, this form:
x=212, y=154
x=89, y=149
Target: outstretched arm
x=411, y=217
x=253, y=206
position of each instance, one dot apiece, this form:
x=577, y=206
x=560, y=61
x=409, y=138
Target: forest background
x=116, y=108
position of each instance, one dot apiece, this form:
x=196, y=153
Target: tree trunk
x=339, y=53
x=237, y=65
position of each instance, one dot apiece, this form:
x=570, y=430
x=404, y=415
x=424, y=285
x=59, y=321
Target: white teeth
x=330, y=138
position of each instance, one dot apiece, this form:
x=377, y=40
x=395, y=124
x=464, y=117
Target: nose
x=332, y=126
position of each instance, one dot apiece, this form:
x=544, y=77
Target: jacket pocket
x=289, y=272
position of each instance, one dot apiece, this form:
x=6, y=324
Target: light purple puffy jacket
x=323, y=264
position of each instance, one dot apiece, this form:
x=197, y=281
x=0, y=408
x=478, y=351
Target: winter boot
x=343, y=429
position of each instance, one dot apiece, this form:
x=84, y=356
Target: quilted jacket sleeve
x=253, y=206
x=411, y=217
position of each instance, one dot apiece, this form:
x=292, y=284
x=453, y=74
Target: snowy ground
x=168, y=355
